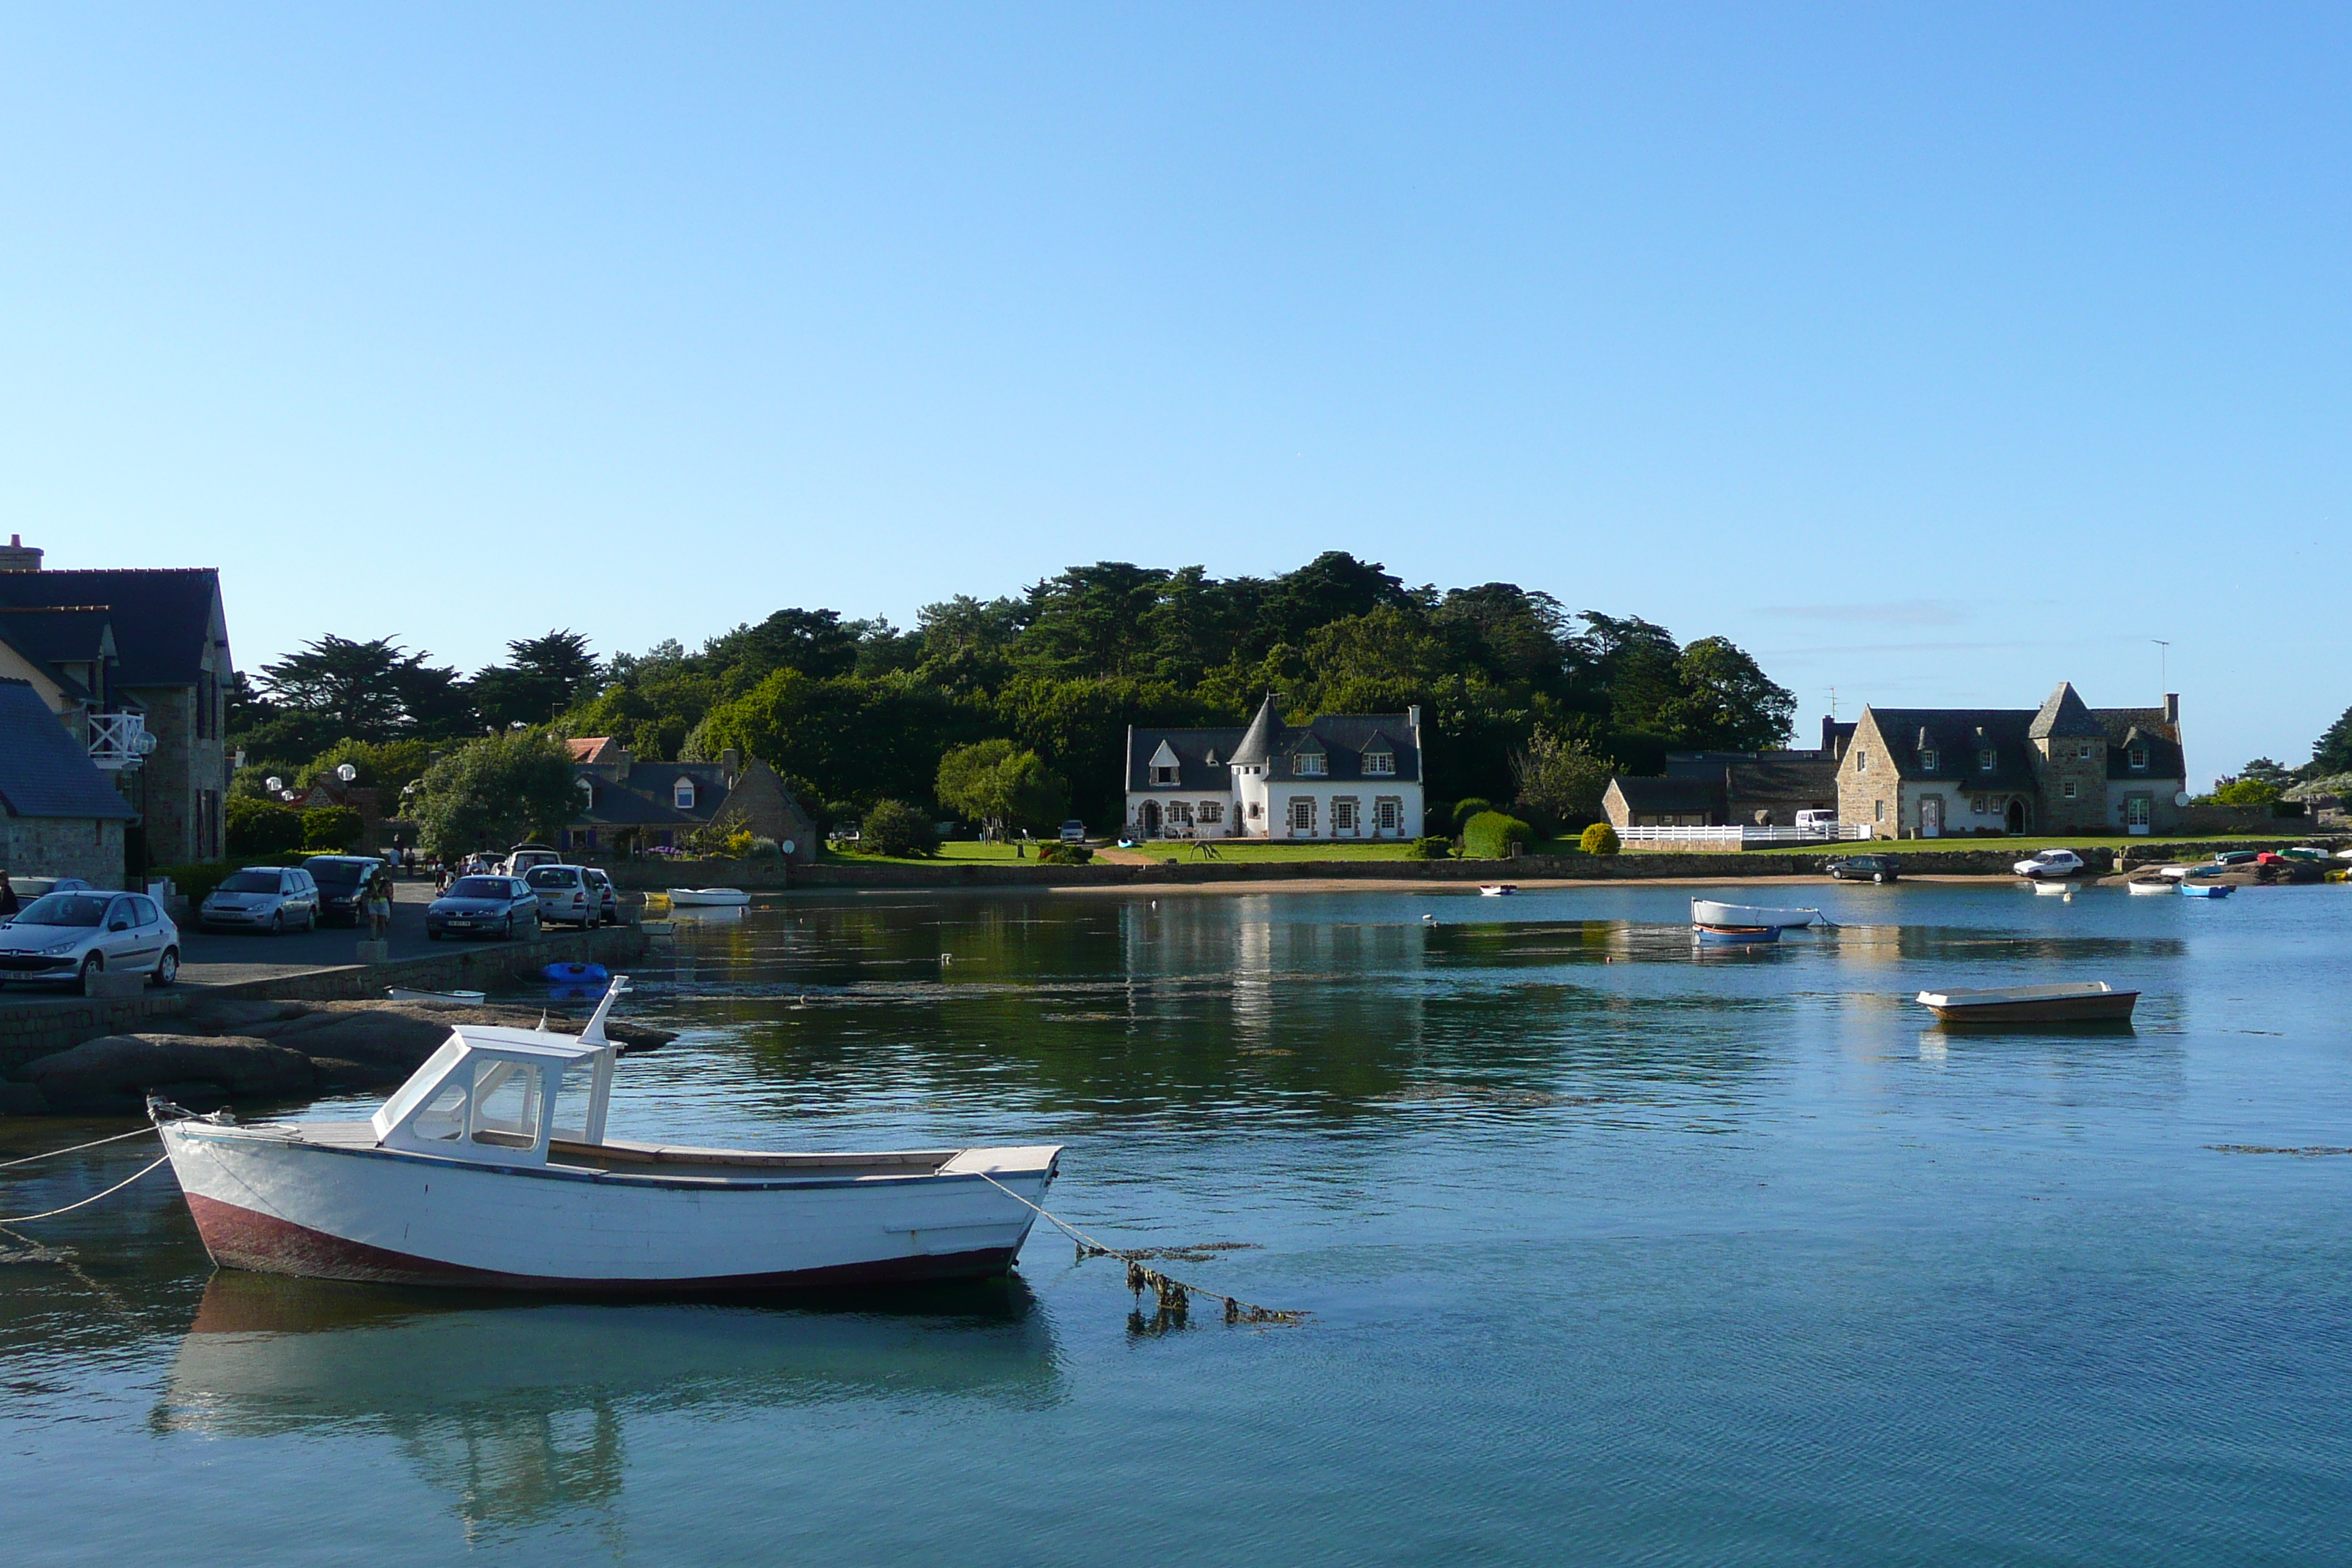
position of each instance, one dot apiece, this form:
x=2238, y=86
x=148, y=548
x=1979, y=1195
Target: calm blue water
x=1613, y=1254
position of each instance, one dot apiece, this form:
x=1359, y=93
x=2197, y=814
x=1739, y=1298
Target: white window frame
x=1165, y=775
x=681, y=795
x=1310, y=764
x=2067, y=790
x=1350, y=809
x=1862, y=762
x=1210, y=813
x=2137, y=758
x=1987, y=758
x=2137, y=810
x=1379, y=764
x=1291, y=818
x=1388, y=815
x=1927, y=761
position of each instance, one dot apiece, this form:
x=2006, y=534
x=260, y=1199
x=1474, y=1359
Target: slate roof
x=641, y=797
x=1959, y=734
x=2064, y=717
x=1342, y=738
x=160, y=618
x=1783, y=778
x=43, y=772
x=2127, y=727
x=1653, y=795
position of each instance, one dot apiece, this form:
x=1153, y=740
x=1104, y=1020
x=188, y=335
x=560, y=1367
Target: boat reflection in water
x=519, y=1409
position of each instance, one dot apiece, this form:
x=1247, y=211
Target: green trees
x=1560, y=777
x=492, y=793
x=997, y=784
x=261, y=827
x=2332, y=753
x=894, y=828
x=333, y=828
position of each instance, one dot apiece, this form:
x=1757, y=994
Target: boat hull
x=282, y=1206
x=709, y=897
x=1708, y=913
x=1735, y=936
x=2101, y=1007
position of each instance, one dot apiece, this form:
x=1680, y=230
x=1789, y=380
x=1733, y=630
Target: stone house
x=59, y=814
x=135, y=665
x=1339, y=777
x=2063, y=768
x=1711, y=789
x=628, y=804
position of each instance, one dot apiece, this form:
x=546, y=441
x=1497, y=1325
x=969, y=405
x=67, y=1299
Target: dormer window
x=1166, y=767
x=1380, y=762
x=1986, y=759
x=1309, y=764
x=681, y=795
x=1927, y=761
x=2138, y=757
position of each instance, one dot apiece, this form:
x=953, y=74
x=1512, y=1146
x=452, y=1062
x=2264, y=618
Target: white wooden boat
x=709, y=898
x=1498, y=889
x=2153, y=885
x=489, y=1167
x=2173, y=873
x=2077, y=1002
x=2052, y=890
x=463, y=998
x=1708, y=913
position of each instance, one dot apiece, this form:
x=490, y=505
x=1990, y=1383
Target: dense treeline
x=854, y=711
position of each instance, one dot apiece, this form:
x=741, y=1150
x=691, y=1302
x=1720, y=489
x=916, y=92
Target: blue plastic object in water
x=575, y=974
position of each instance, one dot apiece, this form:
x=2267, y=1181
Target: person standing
x=8, y=904
x=379, y=905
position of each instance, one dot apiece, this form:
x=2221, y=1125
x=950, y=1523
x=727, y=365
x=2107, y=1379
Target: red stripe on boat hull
x=241, y=1238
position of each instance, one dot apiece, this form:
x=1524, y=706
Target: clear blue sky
x=1934, y=357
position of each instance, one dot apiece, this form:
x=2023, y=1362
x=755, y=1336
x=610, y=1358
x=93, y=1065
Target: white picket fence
x=1732, y=834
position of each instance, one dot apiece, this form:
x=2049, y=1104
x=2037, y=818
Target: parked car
x=2049, y=863
x=575, y=895
x=1074, y=832
x=477, y=906
x=523, y=857
x=340, y=878
x=275, y=898
x=70, y=936
x=1867, y=868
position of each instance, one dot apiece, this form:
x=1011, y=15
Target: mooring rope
x=77, y=1148
x=52, y=1214
x=1174, y=1294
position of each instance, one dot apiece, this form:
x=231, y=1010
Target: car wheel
x=1879, y=877
x=93, y=963
x=278, y=923
x=506, y=931
x=432, y=935
x=167, y=968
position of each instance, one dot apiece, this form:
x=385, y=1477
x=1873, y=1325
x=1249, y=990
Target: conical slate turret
x=1257, y=745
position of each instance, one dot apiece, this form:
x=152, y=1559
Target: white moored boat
x=490, y=1167
x=1707, y=912
x=709, y=898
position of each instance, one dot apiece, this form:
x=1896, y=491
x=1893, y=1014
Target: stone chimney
x=730, y=764
x=2172, y=708
x=19, y=556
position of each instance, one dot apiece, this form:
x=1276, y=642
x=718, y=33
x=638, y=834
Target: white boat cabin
x=500, y=1095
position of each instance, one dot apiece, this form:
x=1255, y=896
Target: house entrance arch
x=1147, y=815
x=2016, y=815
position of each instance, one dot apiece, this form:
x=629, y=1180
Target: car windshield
x=339, y=872
x=249, y=882
x=66, y=910
x=554, y=877
x=481, y=888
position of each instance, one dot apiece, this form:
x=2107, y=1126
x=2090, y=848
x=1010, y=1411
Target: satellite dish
x=788, y=846
x=273, y=784
x=347, y=773
x=2180, y=797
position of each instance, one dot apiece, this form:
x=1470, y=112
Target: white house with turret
x=1339, y=777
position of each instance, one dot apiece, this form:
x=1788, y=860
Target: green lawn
x=1259, y=852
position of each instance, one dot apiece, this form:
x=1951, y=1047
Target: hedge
x=1490, y=835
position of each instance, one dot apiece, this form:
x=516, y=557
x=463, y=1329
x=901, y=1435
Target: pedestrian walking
x=379, y=906
x=8, y=904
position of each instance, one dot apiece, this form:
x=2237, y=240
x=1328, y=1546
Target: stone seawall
x=32, y=1025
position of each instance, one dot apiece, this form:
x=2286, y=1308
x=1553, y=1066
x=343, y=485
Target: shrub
x=1430, y=848
x=2246, y=792
x=1063, y=855
x=262, y=826
x=1464, y=810
x=1600, y=838
x=894, y=828
x=333, y=828
x=1491, y=835
x=194, y=881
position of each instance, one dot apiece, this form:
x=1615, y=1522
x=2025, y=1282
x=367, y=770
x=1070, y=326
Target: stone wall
x=88, y=848
x=2059, y=762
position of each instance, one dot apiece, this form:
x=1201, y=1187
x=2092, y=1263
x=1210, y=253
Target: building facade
x=61, y=816
x=1339, y=777
x=135, y=664
x=1716, y=789
x=628, y=804
x=2063, y=768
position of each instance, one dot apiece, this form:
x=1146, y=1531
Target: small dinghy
x=1708, y=913
x=2078, y=1002
x=575, y=973
x=2156, y=885
x=1498, y=889
x=489, y=1167
x=2205, y=890
x=2052, y=890
x=463, y=998
x=709, y=898
x=1737, y=936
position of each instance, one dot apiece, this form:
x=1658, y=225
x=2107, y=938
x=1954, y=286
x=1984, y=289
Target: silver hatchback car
x=70, y=936
x=272, y=899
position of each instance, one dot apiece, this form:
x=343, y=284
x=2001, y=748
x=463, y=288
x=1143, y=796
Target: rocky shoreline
x=242, y=1051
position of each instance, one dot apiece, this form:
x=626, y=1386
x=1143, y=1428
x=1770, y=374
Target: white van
x=1817, y=821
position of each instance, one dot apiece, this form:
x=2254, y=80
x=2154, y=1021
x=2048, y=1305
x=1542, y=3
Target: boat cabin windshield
x=500, y=1094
